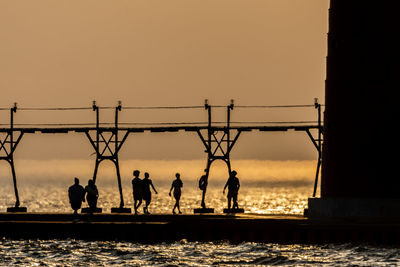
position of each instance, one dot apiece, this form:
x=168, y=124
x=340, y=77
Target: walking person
x=177, y=184
x=92, y=194
x=137, y=187
x=203, y=182
x=233, y=189
x=146, y=192
x=76, y=195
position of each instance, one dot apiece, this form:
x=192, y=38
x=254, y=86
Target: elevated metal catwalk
x=218, y=138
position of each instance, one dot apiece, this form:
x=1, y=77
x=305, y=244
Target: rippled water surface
x=273, y=188
x=81, y=253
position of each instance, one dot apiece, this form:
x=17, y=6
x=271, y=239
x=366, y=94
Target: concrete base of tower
x=352, y=208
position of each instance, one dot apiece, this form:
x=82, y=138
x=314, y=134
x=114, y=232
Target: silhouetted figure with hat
x=203, y=182
x=76, y=195
x=146, y=191
x=92, y=194
x=233, y=189
x=137, y=187
x=177, y=184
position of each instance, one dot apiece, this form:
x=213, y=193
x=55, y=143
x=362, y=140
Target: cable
x=166, y=107
x=50, y=124
x=277, y=106
x=161, y=123
x=273, y=122
x=160, y=107
x=54, y=109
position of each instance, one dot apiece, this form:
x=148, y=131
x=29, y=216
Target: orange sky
x=67, y=53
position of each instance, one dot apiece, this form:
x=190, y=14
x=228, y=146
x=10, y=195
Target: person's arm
x=172, y=186
x=69, y=194
x=223, y=192
x=151, y=183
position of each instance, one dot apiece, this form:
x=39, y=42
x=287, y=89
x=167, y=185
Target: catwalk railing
x=107, y=139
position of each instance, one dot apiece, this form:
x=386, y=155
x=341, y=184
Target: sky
x=157, y=52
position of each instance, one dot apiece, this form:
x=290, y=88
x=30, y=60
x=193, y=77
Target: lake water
x=275, y=187
x=272, y=187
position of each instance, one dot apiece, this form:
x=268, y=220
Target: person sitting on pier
x=203, y=182
x=233, y=189
x=91, y=194
x=137, y=187
x=76, y=195
x=146, y=192
x=177, y=184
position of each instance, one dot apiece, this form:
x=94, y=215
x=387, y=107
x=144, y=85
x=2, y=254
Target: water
x=83, y=253
x=280, y=187
x=267, y=187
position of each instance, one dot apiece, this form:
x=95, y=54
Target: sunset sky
x=149, y=53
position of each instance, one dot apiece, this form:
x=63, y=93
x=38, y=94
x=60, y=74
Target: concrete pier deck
x=286, y=229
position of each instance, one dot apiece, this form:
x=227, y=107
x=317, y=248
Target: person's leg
x=179, y=208
x=135, y=206
x=203, y=203
x=147, y=205
x=90, y=202
x=229, y=201
x=139, y=202
x=75, y=207
x=235, y=204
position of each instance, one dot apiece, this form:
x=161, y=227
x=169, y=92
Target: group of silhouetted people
x=142, y=191
x=77, y=194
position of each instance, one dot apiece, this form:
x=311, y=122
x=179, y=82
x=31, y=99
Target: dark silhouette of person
x=137, y=187
x=76, y=195
x=146, y=192
x=203, y=182
x=177, y=184
x=233, y=189
x=91, y=194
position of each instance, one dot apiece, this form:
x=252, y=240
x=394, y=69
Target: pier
x=107, y=139
x=283, y=229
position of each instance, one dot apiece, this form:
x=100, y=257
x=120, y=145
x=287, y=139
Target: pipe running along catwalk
x=217, y=137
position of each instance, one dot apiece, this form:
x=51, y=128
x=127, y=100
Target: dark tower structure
x=360, y=165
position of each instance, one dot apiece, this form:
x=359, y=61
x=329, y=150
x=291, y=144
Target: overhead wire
x=164, y=107
x=161, y=108
x=275, y=106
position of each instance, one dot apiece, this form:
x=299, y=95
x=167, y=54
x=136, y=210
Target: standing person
x=177, y=184
x=203, y=182
x=146, y=191
x=92, y=194
x=233, y=189
x=137, y=187
x=76, y=195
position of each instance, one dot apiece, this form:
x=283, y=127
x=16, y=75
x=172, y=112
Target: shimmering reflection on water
x=52, y=197
x=82, y=253
x=267, y=186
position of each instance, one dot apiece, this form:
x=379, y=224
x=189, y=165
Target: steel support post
x=104, y=149
x=7, y=149
x=318, y=145
x=217, y=147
